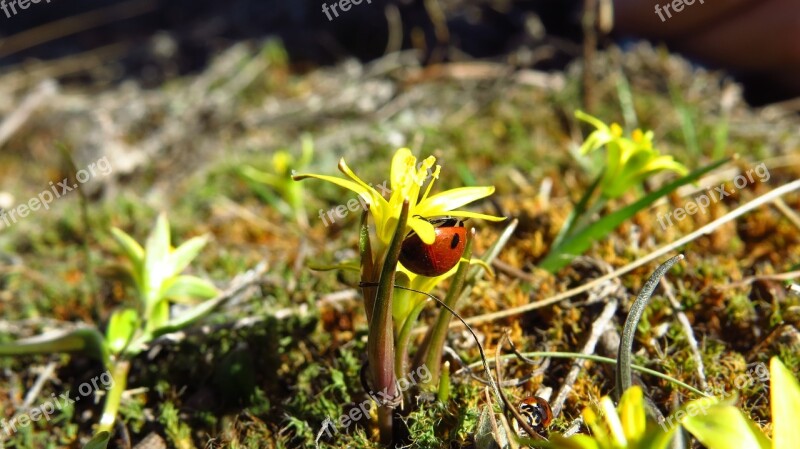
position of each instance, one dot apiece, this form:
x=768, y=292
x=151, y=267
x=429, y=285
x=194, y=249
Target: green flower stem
x=432, y=350
x=367, y=265
x=401, y=351
x=380, y=343
x=119, y=373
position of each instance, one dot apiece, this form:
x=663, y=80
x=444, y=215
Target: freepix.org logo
x=342, y=5
x=711, y=196
x=10, y=6
x=57, y=190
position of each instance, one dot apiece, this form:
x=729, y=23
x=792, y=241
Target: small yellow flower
x=628, y=160
x=407, y=179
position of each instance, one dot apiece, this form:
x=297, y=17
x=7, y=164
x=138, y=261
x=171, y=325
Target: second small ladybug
x=440, y=256
x=537, y=411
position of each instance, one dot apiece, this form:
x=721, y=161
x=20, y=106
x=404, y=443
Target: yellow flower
x=628, y=160
x=623, y=427
x=407, y=178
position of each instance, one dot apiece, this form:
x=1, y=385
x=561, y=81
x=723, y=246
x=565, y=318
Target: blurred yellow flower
x=628, y=160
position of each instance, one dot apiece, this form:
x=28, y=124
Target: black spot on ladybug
x=454, y=242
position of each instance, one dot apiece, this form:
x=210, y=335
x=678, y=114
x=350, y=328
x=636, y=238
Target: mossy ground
x=271, y=368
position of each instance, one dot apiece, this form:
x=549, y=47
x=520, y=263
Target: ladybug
x=440, y=256
x=537, y=411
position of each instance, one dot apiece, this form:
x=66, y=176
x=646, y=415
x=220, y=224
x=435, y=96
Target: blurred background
x=153, y=40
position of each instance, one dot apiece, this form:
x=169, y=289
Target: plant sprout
x=156, y=272
x=290, y=200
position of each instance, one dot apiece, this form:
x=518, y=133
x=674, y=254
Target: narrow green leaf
x=367, y=263
x=186, y=253
x=623, y=373
x=190, y=316
x=159, y=315
x=785, y=398
x=87, y=340
x=157, y=260
x=186, y=288
x=133, y=251
x=120, y=329
x=100, y=441
x=577, y=211
x=583, y=238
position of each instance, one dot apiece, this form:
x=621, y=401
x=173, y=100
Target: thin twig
x=33, y=393
x=765, y=277
x=598, y=327
x=787, y=211
x=687, y=328
x=41, y=95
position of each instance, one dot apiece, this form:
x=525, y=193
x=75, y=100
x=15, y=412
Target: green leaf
x=785, y=398
x=133, y=251
x=582, y=239
x=725, y=427
x=87, y=340
x=184, y=288
x=159, y=315
x=625, y=350
x=157, y=260
x=186, y=253
x=190, y=316
x=120, y=329
x=100, y=441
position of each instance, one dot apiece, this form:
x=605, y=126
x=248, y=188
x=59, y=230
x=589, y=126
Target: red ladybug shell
x=537, y=411
x=437, y=258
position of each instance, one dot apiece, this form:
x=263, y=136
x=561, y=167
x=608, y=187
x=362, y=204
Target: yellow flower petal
x=632, y=414
x=448, y=200
x=377, y=198
x=349, y=185
x=476, y=215
x=423, y=229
